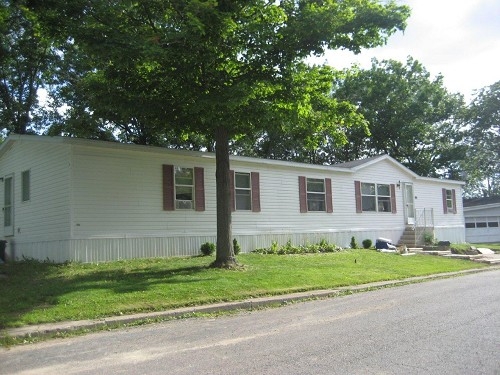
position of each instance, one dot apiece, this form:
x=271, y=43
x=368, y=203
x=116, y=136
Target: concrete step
x=407, y=239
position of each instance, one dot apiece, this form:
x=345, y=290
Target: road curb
x=52, y=329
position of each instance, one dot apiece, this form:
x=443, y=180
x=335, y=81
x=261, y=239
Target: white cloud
x=459, y=39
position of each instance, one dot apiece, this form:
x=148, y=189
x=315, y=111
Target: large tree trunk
x=225, y=253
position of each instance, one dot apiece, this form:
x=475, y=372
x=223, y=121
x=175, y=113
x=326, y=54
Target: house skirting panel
x=54, y=251
x=342, y=238
x=93, y=250
x=455, y=234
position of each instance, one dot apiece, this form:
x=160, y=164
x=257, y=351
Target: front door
x=8, y=205
x=409, y=203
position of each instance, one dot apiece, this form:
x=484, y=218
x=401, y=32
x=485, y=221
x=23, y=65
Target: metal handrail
x=424, y=220
x=424, y=217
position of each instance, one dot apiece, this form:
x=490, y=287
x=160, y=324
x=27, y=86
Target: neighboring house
x=92, y=201
x=482, y=219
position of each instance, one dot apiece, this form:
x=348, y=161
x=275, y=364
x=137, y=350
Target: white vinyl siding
x=42, y=227
x=119, y=193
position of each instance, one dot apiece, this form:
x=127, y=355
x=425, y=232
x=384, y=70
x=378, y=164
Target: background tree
x=27, y=58
x=482, y=165
x=411, y=117
x=222, y=69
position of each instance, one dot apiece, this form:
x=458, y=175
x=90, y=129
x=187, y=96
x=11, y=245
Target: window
x=245, y=191
x=25, y=185
x=376, y=197
x=368, y=197
x=315, y=194
x=8, y=200
x=449, y=201
x=183, y=188
x=482, y=222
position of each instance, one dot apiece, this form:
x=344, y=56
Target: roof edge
x=5, y=146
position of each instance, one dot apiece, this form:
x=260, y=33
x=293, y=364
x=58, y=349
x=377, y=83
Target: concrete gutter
x=52, y=329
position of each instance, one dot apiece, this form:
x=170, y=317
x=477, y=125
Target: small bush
x=466, y=249
x=429, y=238
x=288, y=248
x=208, y=248
x=354, y=244
x=367, y=243
x=236, y=247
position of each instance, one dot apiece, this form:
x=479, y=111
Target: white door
x=8, y=205
x=409, y=203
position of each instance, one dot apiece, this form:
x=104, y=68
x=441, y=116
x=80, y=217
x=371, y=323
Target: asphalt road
x=448, y=326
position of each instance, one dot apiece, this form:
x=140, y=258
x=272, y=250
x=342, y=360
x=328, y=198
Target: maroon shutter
x=199, y=189
x=254, y=176
x=231, y=189
x=393, y=199
x=168, y=188
x=453, y=194
x=328, y=187
x=302, y=194
x=445, y=206
x=357, y=194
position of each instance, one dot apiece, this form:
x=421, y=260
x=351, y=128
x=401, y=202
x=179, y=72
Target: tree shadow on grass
x=30, y=285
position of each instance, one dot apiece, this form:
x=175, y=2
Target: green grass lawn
x=36, y=292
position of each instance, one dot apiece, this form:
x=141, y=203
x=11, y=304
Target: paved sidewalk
x=249, y=304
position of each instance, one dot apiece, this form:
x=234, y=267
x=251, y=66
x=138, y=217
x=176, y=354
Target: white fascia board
x=481, y=207
x=208, y=155
x=160, y=150
x=409, y=171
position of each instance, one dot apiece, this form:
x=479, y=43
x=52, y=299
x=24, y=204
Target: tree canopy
x=27, y=63
x=411, y=116
x=482, y=164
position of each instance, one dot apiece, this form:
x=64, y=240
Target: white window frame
x=449, y=200
x=243, y=192
x=313, y=197
x=381, y=202
x=183, y=204
x=26, y=185
x=481, y=222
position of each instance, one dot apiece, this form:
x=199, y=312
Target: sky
x=459, y=39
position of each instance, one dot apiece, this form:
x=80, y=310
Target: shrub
x=288, y=248
x=354, y=244
x=463, y=249
x=236, y=247
x=367, y=243
x=429, y=238
x=208, y=248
